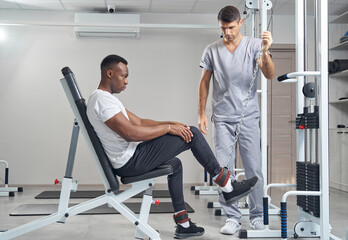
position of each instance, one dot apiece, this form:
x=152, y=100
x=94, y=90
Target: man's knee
x=195, y=131
x=176, y=165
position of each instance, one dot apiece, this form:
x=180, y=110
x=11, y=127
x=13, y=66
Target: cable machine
x=312, y=168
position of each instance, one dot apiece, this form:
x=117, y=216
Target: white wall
x=36, y=121
x=283, y=29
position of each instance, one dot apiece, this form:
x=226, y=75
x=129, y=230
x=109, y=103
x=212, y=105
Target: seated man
x=135, y=146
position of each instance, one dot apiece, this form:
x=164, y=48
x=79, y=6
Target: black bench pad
x=158, y=172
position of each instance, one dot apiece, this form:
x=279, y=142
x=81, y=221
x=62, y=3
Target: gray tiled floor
x=116, y=227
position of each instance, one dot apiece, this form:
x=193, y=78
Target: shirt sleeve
x=107, y=107
x=206, y=62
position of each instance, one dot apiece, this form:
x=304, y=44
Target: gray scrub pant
x=249, y=147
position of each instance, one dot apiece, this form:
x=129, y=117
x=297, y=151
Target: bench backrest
x=78, y=105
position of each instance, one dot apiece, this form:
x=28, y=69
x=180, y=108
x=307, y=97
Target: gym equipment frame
x=312, y=138
x=7, y=191
x=115, y=200
x=205, y=189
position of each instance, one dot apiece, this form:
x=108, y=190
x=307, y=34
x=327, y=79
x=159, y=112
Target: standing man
x=231, y=61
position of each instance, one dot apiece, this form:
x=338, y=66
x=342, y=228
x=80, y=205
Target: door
x=281, y=119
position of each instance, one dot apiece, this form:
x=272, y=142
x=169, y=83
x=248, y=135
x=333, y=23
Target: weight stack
x=301, y=180
x=313, y=185
x=307, y=177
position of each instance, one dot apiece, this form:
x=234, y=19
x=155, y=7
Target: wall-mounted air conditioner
x=106, y=25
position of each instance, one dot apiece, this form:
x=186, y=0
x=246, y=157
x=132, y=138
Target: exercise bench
x=112, y=196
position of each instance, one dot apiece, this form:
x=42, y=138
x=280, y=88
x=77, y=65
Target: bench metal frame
x=142, y=183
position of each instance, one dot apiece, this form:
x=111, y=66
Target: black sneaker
x=240, y=189
x=191, y=231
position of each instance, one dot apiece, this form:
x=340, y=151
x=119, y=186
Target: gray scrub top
x=232, y=74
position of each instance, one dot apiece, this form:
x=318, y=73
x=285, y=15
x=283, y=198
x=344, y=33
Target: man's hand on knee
x=182, y=131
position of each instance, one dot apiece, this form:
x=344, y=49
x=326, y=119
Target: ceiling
x=280, y=7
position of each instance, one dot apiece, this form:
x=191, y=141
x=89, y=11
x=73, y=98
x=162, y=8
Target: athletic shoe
x=231, y=227
x=240, y=189
x=191, y=231
x=257, y=224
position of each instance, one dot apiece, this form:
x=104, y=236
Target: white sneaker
x=231, y=227
x=257, y=224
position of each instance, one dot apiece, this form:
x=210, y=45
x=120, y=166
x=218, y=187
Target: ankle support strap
x=181, y=217
x=223, y=177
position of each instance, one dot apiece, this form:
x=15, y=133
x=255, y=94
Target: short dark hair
x=110, y=60
x=229, y=14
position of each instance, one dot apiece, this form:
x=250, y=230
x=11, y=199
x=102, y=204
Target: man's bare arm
x=203, y=92
x=132, y=132
x=148, y=122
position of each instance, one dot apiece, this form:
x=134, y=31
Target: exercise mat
x=96, y=193
x=47, y=209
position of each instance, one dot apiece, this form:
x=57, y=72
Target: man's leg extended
x=157, y=152
x=231, y=191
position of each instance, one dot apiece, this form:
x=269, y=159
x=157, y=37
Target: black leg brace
x=181, y=217
x=223, y=177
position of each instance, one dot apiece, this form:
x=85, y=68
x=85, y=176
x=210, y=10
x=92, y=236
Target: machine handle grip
x=6, y=176
x=66, y=71
x=283, y=77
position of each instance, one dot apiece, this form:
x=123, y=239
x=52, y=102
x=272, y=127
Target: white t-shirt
x=101, y=107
